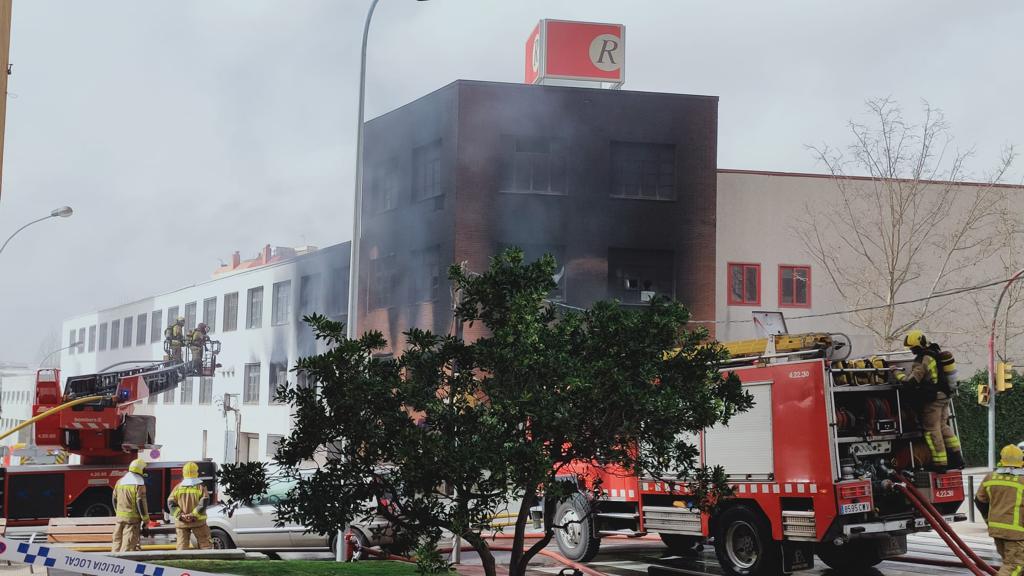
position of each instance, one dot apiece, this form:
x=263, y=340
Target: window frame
x=128, y=332
x=247, y=369
x=92, y=338
x=205, y=384
x=281, y=297
x=634, y=152
x=115, y=334
x=141, y=329
x=156, y=328
x=233, y=325
x=210, y=319
x=102, y=337
x=516, y=161
x=795, y=267
x=427, y=170
x=254, y=321
x=728, y=283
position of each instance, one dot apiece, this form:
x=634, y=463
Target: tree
x=450, y=432
x=904, y=222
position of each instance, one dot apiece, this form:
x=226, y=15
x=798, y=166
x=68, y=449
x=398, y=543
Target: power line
x=942, y=294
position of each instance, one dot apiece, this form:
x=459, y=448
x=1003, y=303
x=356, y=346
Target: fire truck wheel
x=576, y=541
x=220, y=539
x=744, y=545
x=852, y=558
x=94, y=505
x=681, y=544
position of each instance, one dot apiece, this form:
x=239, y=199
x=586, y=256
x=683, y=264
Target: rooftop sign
x=560, y=52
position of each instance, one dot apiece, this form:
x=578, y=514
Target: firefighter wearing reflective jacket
x=929, y=386
x=999, y=500
x=197, y=339
x=187, y=504
x=174, y=339
x=130, y=508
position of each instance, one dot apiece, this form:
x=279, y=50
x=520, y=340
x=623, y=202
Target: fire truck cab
x=812, y=465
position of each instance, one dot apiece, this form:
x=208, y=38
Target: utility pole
x=5, y=67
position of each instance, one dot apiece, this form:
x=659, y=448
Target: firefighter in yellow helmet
x=187, y=504
x=130, y=508
x=197, y=339
x=930, y=385
x=999, y=500
x=174, y=339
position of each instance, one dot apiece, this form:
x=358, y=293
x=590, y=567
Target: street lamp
x=357, y=216
x=47, y=357
x=62, y=212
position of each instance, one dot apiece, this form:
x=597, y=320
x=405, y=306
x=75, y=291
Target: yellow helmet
x=190, y=470
x=1011, y=456
x=138, y=466
x=915, y=339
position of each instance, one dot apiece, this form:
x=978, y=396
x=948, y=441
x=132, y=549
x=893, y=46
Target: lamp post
x=992, y=448
x=47, y=357
x=62, y=212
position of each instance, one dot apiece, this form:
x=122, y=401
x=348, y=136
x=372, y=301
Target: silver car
x=253, y=527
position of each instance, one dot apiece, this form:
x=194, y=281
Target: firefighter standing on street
x=130, y=507
x=932, y=380
x=174, y=339
x=999, y=500
x=187, y=504
x=197, y=339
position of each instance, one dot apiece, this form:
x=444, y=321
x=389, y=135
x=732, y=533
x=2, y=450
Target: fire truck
x=94, y=418
x=829, y=461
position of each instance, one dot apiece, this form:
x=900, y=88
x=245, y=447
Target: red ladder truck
x=94, y=418
x=820, y=465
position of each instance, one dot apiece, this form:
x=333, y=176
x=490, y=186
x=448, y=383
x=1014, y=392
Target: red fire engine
x=822, y=464
x=94, y=418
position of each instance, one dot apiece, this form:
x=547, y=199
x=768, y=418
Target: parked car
x=253, y=527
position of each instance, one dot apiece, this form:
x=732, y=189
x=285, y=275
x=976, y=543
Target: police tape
x=69, y=560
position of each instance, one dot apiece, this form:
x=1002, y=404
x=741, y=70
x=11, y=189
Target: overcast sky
x=183, y=130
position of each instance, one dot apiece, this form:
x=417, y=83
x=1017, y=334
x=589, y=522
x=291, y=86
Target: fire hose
x=967, y=557
x=49, y=412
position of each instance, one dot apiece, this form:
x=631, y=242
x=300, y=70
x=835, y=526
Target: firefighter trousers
x=201, y=532
x=126, y=536
x=1012, y=554
x=938, y=434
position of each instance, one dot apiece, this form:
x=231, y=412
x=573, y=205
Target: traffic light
x=1004, y=376
x=983, y=394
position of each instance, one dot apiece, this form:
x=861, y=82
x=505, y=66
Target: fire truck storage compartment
x=744, y=447
x=35, y=496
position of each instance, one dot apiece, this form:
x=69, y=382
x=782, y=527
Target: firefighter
x=931, y=382
x=174, y=339
x=187, y=504
x=130, y=507
x=999, y=500
x=197, y=339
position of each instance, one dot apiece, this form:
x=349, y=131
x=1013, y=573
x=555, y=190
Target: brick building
x=619, y=186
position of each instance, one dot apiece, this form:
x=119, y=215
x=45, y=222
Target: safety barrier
x=66, y=561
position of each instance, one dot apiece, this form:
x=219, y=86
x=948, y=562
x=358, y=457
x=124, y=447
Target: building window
x=534, y=165
x=186, y=391
x=383, y=189
x=190, y=317
x=210, y=313
x=72, y=342
x=92, y=338
x=337, y=298
x=309, y=294
x=156, y=331
x=426, y=283
x=172, y=315
x=426, y=171
x=231, y=311
x=273, y=441
x=81, y=341
x=254, y=316
x=103, y=337
x=281, y=310
x=744, y=284
x=643, y=171
x=206, y=391
x=637, y=276
x=795, y=286
x=382, y=281
x=533, y=252
x=115, y=334
x=251, y=392
x=128, y=332
x=152, y=398
x=140, y=329
x=278, y=377
x=169, y=396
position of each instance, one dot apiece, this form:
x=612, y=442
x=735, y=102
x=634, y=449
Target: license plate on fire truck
x=855, y=508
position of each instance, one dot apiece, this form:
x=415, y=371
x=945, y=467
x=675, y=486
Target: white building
x=254, y=308
x=17, y=391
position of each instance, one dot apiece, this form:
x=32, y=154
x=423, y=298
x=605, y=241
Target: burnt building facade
x=619, y=186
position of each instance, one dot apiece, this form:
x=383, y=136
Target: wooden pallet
x=80, y=530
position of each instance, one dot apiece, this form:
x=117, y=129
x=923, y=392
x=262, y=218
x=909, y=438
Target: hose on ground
x=964, y=558
x=952, y=533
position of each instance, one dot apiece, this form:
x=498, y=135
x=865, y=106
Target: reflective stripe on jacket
x=188, y=500
x=1003, y=491
x=130, y=502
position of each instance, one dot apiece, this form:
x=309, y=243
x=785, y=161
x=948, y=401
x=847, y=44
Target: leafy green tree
x=450, y=431
x=972, y=418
